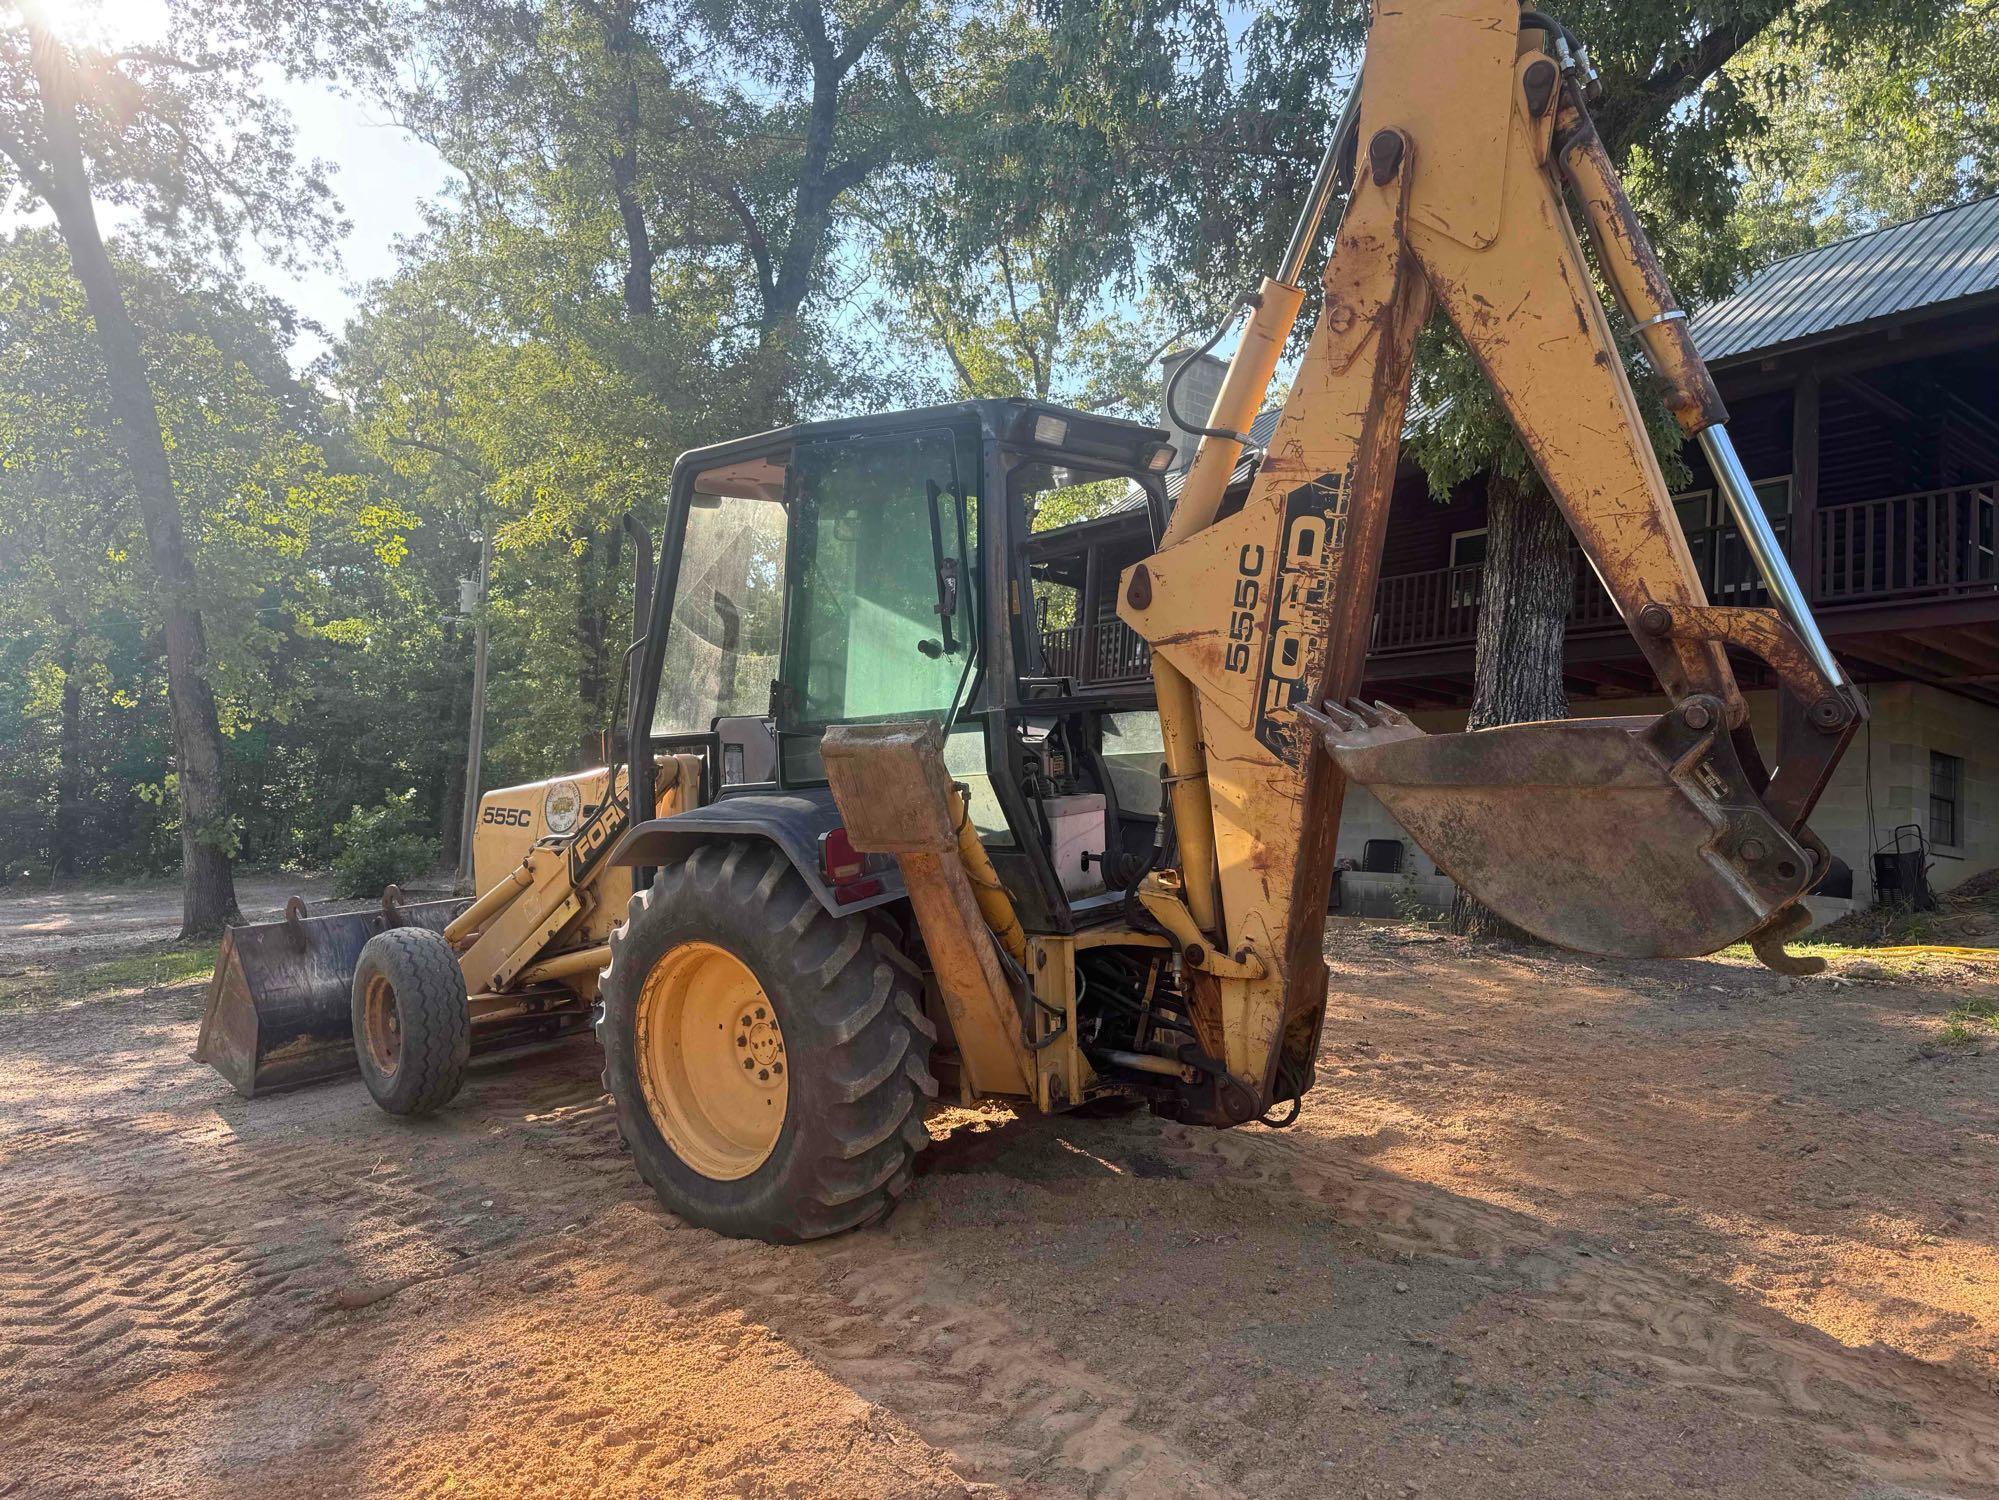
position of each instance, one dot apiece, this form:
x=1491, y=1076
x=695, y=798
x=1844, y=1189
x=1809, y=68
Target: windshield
x=885, y=550
x=728, y=609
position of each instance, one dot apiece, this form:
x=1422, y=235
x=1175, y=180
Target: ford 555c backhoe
x=879, y=854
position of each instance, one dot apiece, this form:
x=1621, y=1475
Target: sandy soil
x=1548, y=1227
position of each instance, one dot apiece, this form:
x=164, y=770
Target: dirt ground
x=1548, y=1227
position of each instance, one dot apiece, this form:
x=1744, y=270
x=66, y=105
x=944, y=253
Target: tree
x=502, y=385
x=181, y=135
x=1014, y=323
x=1012, y=243
x=724, y=142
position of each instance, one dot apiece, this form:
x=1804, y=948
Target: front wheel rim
x=382, y=1025
x=712, y=1061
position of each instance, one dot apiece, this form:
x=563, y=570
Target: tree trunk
x=1526, y=589
x=787, y=276
x=208, y=888
x=597, y=573
x=621, y=42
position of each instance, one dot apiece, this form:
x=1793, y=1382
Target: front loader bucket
x=1633, y=837
x=279, y=1005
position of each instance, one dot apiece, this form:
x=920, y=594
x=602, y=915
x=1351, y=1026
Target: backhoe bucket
x=1633, y=837
x=279, y=1007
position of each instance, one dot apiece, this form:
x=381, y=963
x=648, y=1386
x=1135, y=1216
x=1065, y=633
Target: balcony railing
x=1107, y=651
x=1440, y=608
x=1935, y=544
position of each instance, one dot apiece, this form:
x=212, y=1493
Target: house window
x=1946, y=799
x=1720, y=557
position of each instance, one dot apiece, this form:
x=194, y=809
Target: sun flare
x=102, y=22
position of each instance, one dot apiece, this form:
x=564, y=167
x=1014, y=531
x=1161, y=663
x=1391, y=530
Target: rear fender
x=794, y=821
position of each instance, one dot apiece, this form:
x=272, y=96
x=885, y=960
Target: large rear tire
x=412, y=1020
x=770, y=1062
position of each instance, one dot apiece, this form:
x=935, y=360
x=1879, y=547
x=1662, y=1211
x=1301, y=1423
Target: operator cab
x=875, y=570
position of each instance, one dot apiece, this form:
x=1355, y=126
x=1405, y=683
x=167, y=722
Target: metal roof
x=1942, y=257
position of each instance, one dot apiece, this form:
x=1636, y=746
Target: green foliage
x=382, y=845
x=1970, y=1019
x=1410, y=903
x=291, y=550
x=1893, y=131
x=182, y=131
x=1013, y=323
x=1458, y=431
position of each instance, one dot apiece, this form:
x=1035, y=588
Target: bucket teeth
x=1357, y=723
x=1329, y=718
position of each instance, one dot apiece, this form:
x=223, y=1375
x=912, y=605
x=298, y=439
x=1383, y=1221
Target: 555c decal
x=1242, y=618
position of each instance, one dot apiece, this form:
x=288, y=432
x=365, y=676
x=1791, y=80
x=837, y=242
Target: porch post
x=1805, y=481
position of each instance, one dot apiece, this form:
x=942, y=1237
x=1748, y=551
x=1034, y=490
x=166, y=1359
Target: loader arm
x=1654, y=835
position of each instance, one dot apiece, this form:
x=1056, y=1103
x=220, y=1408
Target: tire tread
x=846, y=978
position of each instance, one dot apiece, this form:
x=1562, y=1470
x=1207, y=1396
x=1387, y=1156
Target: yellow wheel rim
x=712, y=1061
x=382, y=1025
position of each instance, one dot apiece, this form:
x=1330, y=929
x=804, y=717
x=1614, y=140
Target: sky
x=385, y=177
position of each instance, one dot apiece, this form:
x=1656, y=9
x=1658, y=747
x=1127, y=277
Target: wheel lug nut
x=777, y=1067
x=760, y=1012
x=742, y=1041
x=748, y=1063
x=764, y=1074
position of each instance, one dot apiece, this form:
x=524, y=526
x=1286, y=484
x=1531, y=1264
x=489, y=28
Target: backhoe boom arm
x=1669, y=837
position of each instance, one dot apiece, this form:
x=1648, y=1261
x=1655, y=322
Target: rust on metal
x=1138, y=592
x=279, y=1006
x=1638, y=837
x=1767, y=943
x=1632, y=267
x=895, y=797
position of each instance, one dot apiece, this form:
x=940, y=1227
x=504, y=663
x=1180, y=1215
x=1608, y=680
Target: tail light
x=849, y=872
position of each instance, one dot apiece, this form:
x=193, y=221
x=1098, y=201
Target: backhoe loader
x=879, y=855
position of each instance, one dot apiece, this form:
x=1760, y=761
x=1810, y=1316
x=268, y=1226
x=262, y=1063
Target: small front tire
x=412, y=1020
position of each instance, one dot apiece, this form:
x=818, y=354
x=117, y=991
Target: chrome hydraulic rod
x=1761, y=540
x=1325, y=182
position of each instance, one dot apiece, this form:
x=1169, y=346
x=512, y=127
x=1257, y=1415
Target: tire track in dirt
x=180, y=1241
x=1906, y=1421
x=131, y=1246
x=892, y=1323
x=170, y=1263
